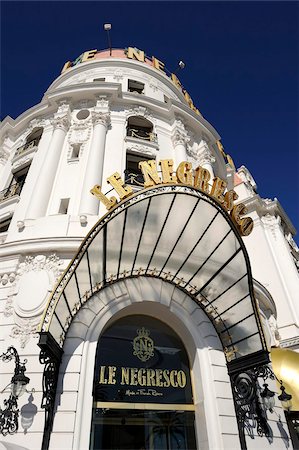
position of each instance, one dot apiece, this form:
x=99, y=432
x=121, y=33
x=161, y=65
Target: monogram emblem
x=143, y=345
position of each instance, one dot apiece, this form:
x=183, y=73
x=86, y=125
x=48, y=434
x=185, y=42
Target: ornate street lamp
x=268, y=398
x=286, y=399
x=10, y=414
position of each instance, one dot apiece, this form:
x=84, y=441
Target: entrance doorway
x=143, y=430
x=142, y=390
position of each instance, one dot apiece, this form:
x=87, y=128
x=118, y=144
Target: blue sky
x=241, y=68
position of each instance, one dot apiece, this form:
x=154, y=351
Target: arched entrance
x=174, y=233
x=142, y=388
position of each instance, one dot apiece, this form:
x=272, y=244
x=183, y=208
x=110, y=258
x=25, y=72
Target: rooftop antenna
x=107, y=27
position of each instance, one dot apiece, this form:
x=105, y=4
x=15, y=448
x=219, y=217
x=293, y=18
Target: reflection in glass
x=142, y=430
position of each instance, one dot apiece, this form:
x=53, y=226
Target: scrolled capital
x=100, y=118
x=61, y=123
x=180, y=137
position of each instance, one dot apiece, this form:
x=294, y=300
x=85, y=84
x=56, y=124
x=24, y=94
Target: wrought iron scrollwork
x=50, y=356
x=248, y=405
x=9, y=416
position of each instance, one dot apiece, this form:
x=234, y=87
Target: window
x=75, y=151
x=166, y=99
x=83, y=114
x=99, y=79
x=140, y=128
x=142, y=388
x=32, y=140
x=133, y=174
x=4, y=225
x=135, y=86
x=64, y=205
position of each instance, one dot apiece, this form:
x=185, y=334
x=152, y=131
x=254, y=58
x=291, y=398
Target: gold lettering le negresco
x=198, y=178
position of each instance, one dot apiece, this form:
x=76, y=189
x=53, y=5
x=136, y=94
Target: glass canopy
x=176, y=233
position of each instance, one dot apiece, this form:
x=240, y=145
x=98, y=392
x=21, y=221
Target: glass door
x=143, y=430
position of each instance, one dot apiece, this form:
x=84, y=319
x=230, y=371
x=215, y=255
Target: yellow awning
x=286, y=368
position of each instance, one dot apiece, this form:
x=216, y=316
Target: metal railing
x=27, y=146
x=134, y=178
x=142, y=134
x=11, y=191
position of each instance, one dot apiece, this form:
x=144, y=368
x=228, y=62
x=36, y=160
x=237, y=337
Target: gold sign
x=132, y=376
x=198, y=178
x=139, y=55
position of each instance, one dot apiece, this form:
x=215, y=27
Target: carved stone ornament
x=79, y=134
x=201, y=153
x=153, y=84
x=101, y=118
x=138, y=110
x=24, y=330
x=39, y=271
x=246, y=176
x=272, y=223
x=276, y=338
x=142, y=150
x=118, y=75
x=61, y=123
x=4, y=155
x=180, y=137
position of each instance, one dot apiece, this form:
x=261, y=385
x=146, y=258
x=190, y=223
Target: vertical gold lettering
x=188, y=98
x=135, y=53
x=159, y=378
x=67, y=65
x=181, y=378
x=230, y=161
x=167, y=170
x=229, y=198
x=150, y=377
x=134, y=373
x=125, y=375
x=201, y=179
x=237, y=211
x=220, y=148
x=149, y=171
x=158, y=64
x=246, y=226
x=218, y=189
x=184, y=173
x=176, y=81
x=173, y=383
x=102, y=379
x=119, y=185
x=108, y=202
x=111, y=375
x=141, y=377
x=166, y=378
x=88, y=55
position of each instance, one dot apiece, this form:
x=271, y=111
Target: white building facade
x=138, y=323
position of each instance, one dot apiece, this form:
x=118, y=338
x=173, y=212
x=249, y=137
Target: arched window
x=142, y=388
x=35, y=136
x=140, y=128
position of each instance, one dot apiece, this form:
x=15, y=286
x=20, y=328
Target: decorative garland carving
x=24, y=330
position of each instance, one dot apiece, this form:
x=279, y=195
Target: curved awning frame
x=199, y=206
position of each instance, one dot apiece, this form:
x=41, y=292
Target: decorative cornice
x=290, y=342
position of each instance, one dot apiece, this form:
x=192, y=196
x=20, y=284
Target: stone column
x=206, y=157
x=89, y=204
x=44, y=183
x=180, y=139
